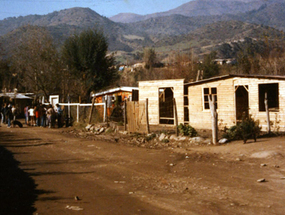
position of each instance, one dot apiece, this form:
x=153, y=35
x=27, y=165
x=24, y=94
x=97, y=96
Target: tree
x=89, y=66
x=209, y=67
x=149, y=57
x=35, y=62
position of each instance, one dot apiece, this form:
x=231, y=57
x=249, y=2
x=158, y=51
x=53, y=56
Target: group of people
x=43, y=115
x=8, y=113
x=37, y=115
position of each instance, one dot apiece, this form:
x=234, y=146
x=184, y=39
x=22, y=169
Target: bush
x=187, y=130
x=248, y=128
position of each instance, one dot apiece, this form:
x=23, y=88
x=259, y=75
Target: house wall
x=123, y=94
x=150, y=90
x=201, y=119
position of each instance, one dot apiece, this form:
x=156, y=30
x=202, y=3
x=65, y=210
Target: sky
x=107, y=8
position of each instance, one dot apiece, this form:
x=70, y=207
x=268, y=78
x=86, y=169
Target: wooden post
x=146, y=116
x=267, y=113
x=106, y=111
x=125, y=115
x=77, y=115
x=91, y=111
x=175, y=116
x=214, y=119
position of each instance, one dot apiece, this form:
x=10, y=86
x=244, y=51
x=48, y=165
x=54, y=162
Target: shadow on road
x=17, y=188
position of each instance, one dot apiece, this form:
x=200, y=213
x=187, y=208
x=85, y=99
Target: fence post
x=91, y=111
x=267, y=113
x=78, y=106
x=146, y=116
x=106, y=112
x=214, y=119
x=175, y=117
x=125, y=115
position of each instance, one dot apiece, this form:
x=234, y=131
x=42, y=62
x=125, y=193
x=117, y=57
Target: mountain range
x=199, y=25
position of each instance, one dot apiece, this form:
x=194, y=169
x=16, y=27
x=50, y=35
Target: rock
x=101, y=130
x=238, y=159
x=263, y=164
x=162, y=137
x=197, y=139
x=76, y=198
x=261, y=180
x=182, y=138
x=173, y=137
x=88, y=127
x=223, y=141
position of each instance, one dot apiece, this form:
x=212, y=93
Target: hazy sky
x=15, y=8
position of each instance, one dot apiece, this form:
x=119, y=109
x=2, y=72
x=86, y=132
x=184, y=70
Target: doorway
x=166, y=112
x=241, y=102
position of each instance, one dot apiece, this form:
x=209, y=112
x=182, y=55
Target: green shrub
x=187, y=130
x=247, y=128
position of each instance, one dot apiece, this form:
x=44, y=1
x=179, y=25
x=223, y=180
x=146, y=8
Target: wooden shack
x=160, y=95
x=236, y=95
x=113, y=95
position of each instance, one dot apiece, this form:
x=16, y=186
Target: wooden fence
x=137, y=120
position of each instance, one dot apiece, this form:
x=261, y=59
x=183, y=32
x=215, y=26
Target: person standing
x=50, y=116
x=2, y=114
x=26, y=112
x=14, y=112
x=32, y=115
x=59, y=115
x=9, y=115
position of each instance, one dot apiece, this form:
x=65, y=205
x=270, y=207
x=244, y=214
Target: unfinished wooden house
x=160, y=95
x=235, y=95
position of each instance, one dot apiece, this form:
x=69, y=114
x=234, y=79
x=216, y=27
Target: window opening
x=272, y=91
x=210, y=92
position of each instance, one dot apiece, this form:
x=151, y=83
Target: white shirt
x=31, y=112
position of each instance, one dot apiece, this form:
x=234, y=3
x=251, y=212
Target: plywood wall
x=150, y=90
x=200, y=118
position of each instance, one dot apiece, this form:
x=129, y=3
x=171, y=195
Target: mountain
x=165, y=33
x=198, y=8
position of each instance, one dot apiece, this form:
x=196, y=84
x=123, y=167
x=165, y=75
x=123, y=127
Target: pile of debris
x=153, y=140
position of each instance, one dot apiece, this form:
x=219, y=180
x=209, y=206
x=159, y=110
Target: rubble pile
x=155, y=140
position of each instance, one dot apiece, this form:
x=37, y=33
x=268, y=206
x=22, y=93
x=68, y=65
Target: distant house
x=19, y=99
x=234, y=95
x=114, y=95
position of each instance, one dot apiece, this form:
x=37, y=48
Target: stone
x=223, y=141
x=263, y=164
x=173, y=137
x=88, y=127
x=162, y=137
x=182, y=138
x=101, y=130
x=261, y=180
x=197, y=139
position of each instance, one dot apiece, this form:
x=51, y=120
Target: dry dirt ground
x=51, y=171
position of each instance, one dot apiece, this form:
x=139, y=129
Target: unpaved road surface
x=48, y=171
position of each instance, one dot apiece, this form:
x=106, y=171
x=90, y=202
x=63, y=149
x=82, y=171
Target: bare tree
x=35, y=62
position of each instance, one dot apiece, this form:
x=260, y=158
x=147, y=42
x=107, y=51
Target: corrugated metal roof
x=113, y=90
x=15, y=96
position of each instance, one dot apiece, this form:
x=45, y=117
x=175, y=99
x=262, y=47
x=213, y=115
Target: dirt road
x=45, y=171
